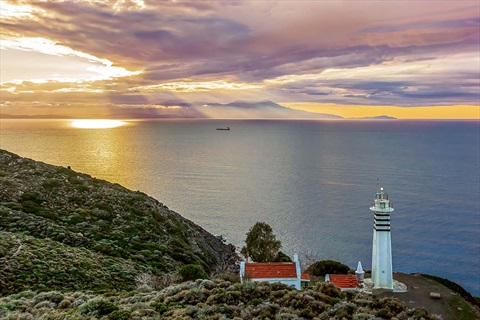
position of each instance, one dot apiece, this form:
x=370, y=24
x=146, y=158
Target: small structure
x=360, y=273
x=343, y=281
x=435, y=295
x=288, y=273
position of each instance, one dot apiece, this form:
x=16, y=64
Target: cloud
x=190, y=86
x=401, y=81
x=141, y=52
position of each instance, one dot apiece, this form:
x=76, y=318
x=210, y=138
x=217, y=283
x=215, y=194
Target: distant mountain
x=180, y=109
x=376, y=118
x=257, y=110
x=265, y=104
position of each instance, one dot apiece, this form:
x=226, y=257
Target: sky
x=112, y=58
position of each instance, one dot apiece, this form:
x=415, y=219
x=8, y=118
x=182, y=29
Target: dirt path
x=450, y=306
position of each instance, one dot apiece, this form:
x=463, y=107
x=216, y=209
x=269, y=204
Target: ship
x=227, y=128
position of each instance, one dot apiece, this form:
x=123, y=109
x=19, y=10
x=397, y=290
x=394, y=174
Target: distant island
x=76, y=247
x=375, y=118
x=259, y=110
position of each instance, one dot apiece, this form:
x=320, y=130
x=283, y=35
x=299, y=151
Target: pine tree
x=261, y=244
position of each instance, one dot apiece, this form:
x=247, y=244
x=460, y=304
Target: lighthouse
x=382, y=273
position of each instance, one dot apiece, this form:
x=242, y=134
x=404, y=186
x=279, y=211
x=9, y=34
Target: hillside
x=58, y=217
x=207, y=299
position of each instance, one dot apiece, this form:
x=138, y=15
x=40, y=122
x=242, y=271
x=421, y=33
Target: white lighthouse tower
x=382, y=274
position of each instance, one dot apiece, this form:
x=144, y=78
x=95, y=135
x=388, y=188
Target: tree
x=261, y=244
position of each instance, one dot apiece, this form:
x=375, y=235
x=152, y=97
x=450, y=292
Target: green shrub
x=64, y=304
x=232, y=277
x=52, y=296
x=323, y=267
x=74, y=180
x=119, y=315
x=30, y=206
x=282, y=257
x=46, y=214
x=31, y=196
x=51, y=184
x=66, y=171
x=307, y=313
x=159, y=307
x=384, y=313
x=192, y=272
x=98, y=306
x=391, y=304
x=255, y=302
x=329, y=289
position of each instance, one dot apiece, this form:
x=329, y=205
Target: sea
x=312, y=181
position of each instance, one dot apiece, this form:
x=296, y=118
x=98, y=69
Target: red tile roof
x=344, y=281
x=305, y=276
x=270, y=270
x=273, y=270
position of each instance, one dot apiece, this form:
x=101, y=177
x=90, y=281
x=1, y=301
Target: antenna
x=377, y=184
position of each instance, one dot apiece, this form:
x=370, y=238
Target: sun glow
x=97, y=124
x=100, y=69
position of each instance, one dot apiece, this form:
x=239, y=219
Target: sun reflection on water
x=97, y=123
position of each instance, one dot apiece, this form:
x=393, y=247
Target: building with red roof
x=343, y=281
x=347, y=281
x=288, y=273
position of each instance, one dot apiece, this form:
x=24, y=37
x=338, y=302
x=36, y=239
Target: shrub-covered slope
x=206, y=299
x=40, y=264
x=108, y=220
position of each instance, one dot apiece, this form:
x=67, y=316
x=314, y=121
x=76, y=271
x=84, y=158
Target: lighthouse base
x=382, y=273
x=398, y=287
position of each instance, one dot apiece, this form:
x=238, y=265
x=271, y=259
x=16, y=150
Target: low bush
x=329, y=289
x=98, y=307
x=323, y=267
x=207, y=299
x=119, y=315
x=191, y=272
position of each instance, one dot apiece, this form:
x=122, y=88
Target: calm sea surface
x=312, y=181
